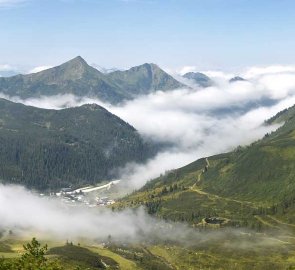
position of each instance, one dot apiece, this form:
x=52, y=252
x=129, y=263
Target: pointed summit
x=78, y=60
x=144, y=79
x=72, y=77
x=154, y=66
x=71, y=70
x=75, y=68
x=78, y=78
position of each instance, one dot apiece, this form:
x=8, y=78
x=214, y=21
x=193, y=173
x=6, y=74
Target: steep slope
x=239, y=186
x=73, y=77
x=144, y=79
x=49, y=149
x=199, y=78
x=283, y=116
x=78, y=78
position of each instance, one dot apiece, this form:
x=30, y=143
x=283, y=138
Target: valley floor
x=239, y=250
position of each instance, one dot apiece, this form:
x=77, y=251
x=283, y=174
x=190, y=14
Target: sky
x=207, y=34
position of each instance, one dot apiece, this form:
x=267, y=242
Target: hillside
x=239, y=186
x=245, y=252
x=78, y=78
x=49, y=149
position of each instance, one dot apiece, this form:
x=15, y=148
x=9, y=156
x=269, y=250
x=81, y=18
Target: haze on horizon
x=211, y=34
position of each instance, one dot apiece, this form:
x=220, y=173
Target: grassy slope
x=256, y=252
x=243, y=186
x=257, y=180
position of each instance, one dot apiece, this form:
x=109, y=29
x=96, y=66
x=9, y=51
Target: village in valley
x=91, y=196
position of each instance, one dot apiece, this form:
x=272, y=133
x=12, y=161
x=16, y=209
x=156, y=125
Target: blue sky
x=209, y=34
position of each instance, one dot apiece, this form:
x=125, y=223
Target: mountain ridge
x=77, y=77
x=49, y=149
x=199, y=78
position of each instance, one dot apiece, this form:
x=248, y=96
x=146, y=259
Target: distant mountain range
x=7, y=73
x=199, y=78
x=78, y=78
x=55, y=148
x=112, y=86
x=237, y=79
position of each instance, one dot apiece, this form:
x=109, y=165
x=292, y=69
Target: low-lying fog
x=26, y=215
x=198, y=122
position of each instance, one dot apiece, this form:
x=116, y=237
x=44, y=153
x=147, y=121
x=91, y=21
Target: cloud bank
x=27, y=214
x=8, y=70
x=39, y=69
x=197, y=122
x=50, y=218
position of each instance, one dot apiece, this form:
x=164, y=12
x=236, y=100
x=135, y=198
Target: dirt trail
x=265, y=222
x=281, y=222
x=213, y=196
x=207, y=167
x=208, y=163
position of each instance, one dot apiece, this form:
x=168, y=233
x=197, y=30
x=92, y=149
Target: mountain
x=237, y=79
x=78, y=78
x=56, y=148
x=8, y=73
x=251, y=186
x=199, y=78
x=73, y=77
x=144, y=79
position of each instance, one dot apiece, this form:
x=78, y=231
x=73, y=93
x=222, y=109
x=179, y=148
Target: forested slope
x=56, y=148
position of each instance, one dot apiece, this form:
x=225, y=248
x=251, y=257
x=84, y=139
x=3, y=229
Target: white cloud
x=53, y=220
x=6, y=68
x=254, y=72
x=38, y=69
x=11, y=3
x=198, y=122
x=278, y=85
x=214, y=74
x=187, y=69
x=218, y=74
